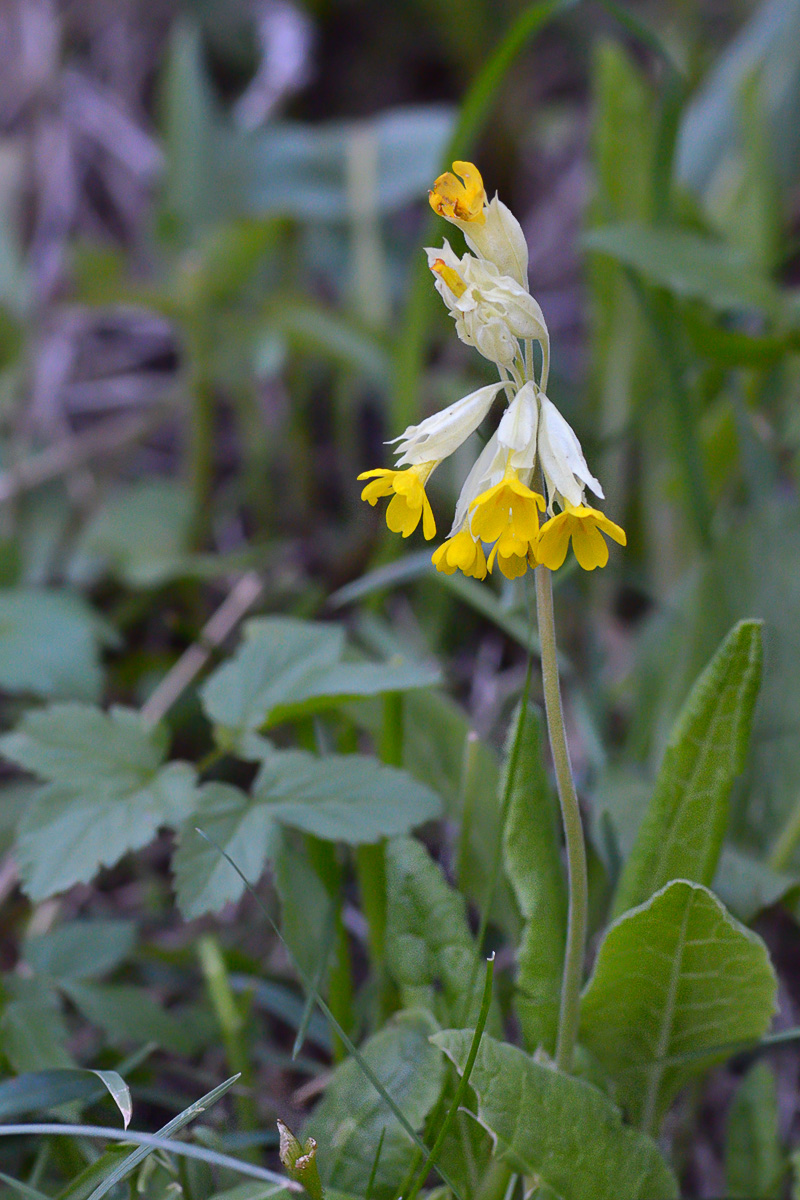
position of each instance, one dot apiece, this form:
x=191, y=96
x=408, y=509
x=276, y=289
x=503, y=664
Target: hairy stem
x=573, y=830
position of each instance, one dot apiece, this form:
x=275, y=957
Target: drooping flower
x=491, y=230
x=461, y=553
x=409, y=502
x=508, y=514
x=439, y=436
x=563, y=465
x=583, y=525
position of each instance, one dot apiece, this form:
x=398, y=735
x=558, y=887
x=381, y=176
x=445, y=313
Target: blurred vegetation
x=214, y=309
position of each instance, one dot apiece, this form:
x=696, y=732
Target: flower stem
x=573, y=830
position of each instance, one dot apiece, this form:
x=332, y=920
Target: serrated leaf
x=559, y=1130
x=342, y=798
x=689, y=265
x=683, y=829
x=532, y=847
x=286, y=668
x=108, y=792
x=754, y=1159
x=433, y=952
x=38, y=1091
x=50, y=644
x=81, y=949
x=676, y=976
x=204, y=881
x=349, y=1119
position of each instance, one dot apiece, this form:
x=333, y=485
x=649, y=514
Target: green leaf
x=754, y=1160
x=349, y=1119
x=129, y=1014
x=204, y=881
x=342, y=798
x=38, y=1091
x=286, y=668
x=50, y=644
x=747, y=886
x=689, y=265
x=559, y=1130
x=676, y=976
x=532, y=846
x=81, y=949
x=141, y=534
x=682, y=831
x=307, y=911
x=433, y=952
x=33, y=1035
x=107, y=792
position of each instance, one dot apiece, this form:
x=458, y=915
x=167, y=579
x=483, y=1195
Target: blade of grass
x=374, y=1171
x=463, y=1083
x=351, y=1048
x=148, y=1142
x=472, y=118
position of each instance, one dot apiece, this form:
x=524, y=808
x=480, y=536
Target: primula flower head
x=409, y=501
x=464, y=201
x=583, y=525
x=497, y=511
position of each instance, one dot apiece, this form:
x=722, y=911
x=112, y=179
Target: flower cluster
x=533, y=464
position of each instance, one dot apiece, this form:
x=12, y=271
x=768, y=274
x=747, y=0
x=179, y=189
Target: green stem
x=232, y=1027
x=787, y=841
x=573, y=830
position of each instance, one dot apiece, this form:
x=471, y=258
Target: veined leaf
x=682, y=831
x=559, y=1130
x=532, y=848
x=677, y=975
x=349, y=1119
x=433, y=952
x=342, y=798
x=107, y=791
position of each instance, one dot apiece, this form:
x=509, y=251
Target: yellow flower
x=508, y=508
x=450, y=197
x=408, y=502
x=463, y=553
x=513, y=555
x=583, y=525
x=450, y=276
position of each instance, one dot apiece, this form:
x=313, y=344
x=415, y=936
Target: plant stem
x=573, y=830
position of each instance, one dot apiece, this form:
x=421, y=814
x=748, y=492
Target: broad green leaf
x=81, y=949
x=349, y=1119
x=747, y=886
x=107, y=792
x=754, y=1160
x=433, y=954
x=276, y=653
x=559, y=1130
x=129, y=1014
x=38, y=1091
x=676, y=976
x=286, y=668
x=532, y=847
x=141, y=534
x=682, y=831
x=689, y=265
x=50, y=644
x=204, y=881
x=342, y=798
x=33, y=1036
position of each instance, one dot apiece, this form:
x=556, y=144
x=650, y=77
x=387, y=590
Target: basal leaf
x=351, y=1116
x=107, y=792
x=561, y=1131
x=433, y=952
x=532, y=847
x=204, y=881
x=682, y=831
x=754, y=1159
x=676, y=976
x=342, y=798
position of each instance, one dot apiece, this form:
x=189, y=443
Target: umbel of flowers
x=525, y=497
